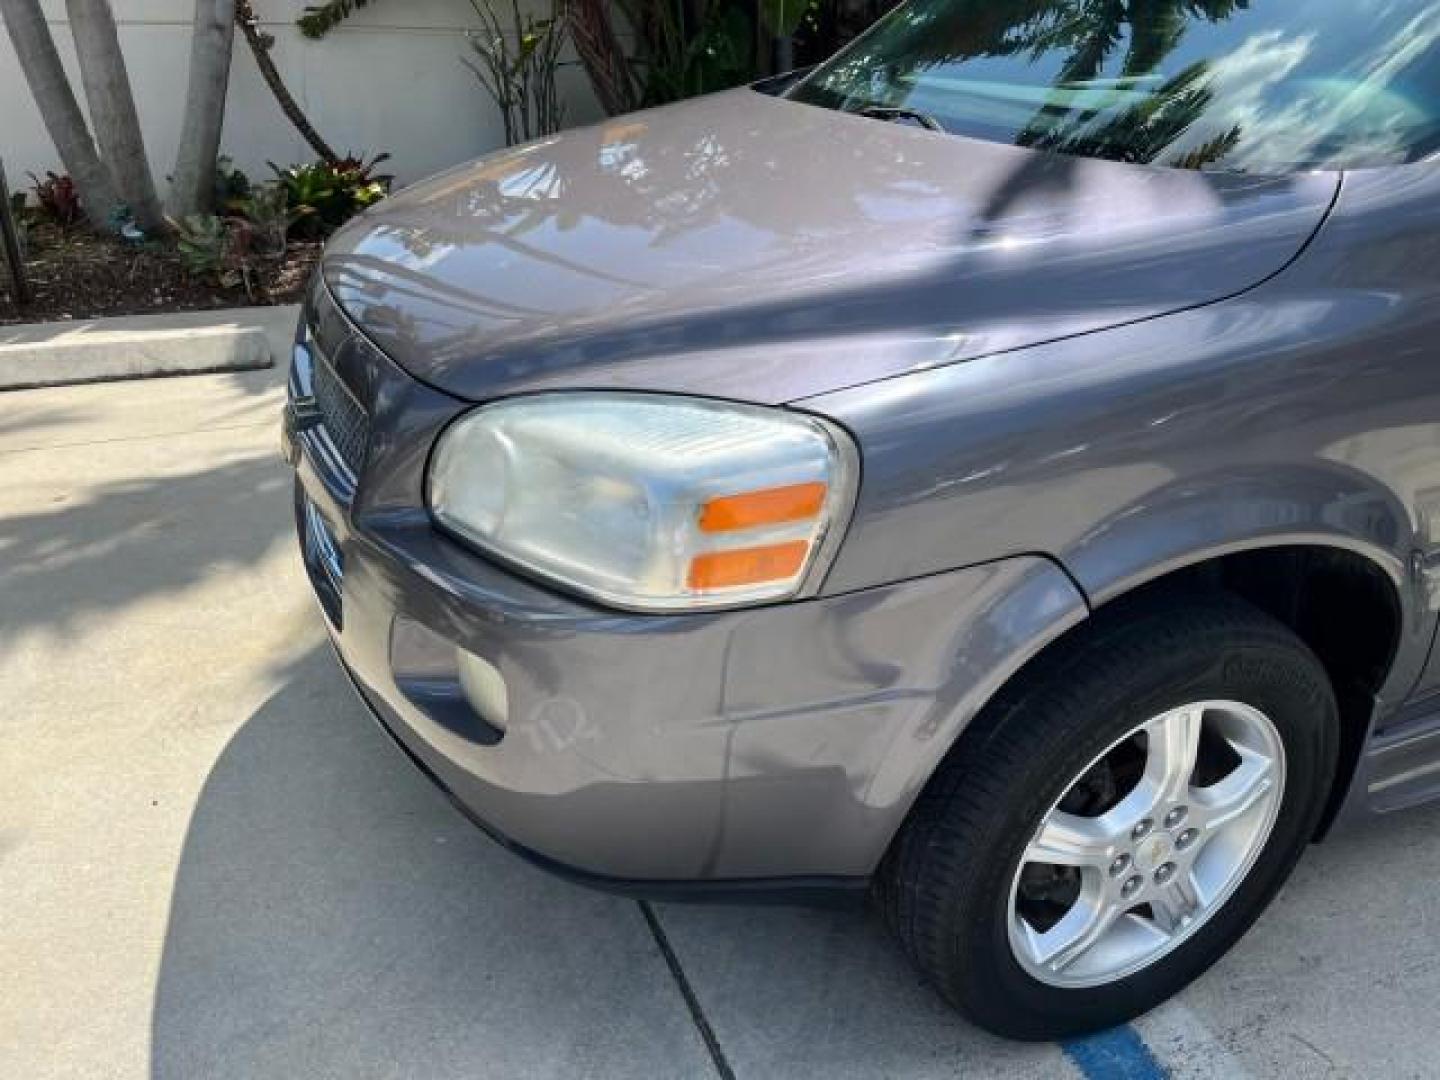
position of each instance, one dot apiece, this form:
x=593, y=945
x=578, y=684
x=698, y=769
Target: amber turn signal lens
x=772, y=506
x=748, y=566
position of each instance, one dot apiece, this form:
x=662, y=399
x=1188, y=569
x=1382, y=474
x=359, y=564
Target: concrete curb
x=61, y=354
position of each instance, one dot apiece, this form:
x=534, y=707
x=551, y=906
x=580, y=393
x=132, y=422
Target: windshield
x=1260, y=86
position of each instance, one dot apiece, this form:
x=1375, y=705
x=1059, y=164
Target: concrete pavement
x=211, y=864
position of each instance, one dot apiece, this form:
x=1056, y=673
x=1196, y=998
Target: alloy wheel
x=1146, y=844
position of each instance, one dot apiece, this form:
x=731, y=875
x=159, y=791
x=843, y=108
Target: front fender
x=1006, y=615
x=1322, y=505
x=1299, y=415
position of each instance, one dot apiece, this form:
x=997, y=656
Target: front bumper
x=771, y=745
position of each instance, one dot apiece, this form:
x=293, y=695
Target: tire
x=952, y=883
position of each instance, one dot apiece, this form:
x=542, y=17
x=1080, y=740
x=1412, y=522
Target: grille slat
x=343, y=418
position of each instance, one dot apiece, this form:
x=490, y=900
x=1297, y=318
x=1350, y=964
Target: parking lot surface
x=212, y=864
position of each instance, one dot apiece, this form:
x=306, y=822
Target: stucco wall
x=389, y=79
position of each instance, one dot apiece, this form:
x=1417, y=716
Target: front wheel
x=1116, y=819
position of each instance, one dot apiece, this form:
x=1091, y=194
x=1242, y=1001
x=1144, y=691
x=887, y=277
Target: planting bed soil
x=78, y=274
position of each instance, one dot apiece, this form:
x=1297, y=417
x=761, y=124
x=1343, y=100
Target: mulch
x=78, y=274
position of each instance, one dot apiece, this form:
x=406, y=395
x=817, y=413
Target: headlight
x=646, y=501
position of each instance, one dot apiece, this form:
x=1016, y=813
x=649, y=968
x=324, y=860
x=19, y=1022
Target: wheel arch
x=1347, y=603
x=1307, y=583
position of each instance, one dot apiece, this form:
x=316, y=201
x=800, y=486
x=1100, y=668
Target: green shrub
x=267, y=209
x=203, y=243
x=324, y=196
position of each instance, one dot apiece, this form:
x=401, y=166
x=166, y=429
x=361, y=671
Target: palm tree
x=118, y=172
x=40, y=61
x=1091, y=31
x=192, y=187
x=1143, y=132
x=112, y=108
x=1156, y=29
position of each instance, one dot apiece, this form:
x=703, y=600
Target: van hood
x=751, y=247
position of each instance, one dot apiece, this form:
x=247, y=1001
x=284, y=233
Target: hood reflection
x=663, y=250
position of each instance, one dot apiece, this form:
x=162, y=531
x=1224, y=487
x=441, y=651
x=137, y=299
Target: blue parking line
x=1117, y=1054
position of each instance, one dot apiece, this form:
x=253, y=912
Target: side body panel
x=1306, y=411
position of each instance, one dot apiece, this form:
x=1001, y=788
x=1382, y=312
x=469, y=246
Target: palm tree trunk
x=249, y=24
x=58, y=108
x=192, y=188
x=112, y=108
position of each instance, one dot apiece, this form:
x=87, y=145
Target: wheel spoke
x=1230, y=798
x=1070, y=840
x=1086, y=923
x=1175, y=903
x=1173, y=744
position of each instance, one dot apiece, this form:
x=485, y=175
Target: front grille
x=343, y=418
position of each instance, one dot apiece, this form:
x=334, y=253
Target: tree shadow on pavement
x=15, y=422
x=99, y=547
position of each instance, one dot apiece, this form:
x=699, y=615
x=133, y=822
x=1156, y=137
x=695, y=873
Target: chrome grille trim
x=320, y=545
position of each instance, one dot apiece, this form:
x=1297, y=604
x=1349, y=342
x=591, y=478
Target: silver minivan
x=996, y=472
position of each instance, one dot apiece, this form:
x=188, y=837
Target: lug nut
x=1142, y=829
x=1120, y=865
x=1165, y=873
x=1174, y=817
x=1186, y=838
x=1131, y=887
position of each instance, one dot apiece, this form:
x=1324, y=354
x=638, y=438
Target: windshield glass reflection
x=1259, y=86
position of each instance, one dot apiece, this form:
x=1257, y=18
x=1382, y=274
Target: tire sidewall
x=1276, y=676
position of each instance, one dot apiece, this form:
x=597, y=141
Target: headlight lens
x=646, y=501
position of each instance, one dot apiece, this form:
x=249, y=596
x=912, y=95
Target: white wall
x=388, y=79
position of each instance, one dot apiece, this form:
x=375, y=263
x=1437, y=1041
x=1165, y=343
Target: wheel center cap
x=1153, y=852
